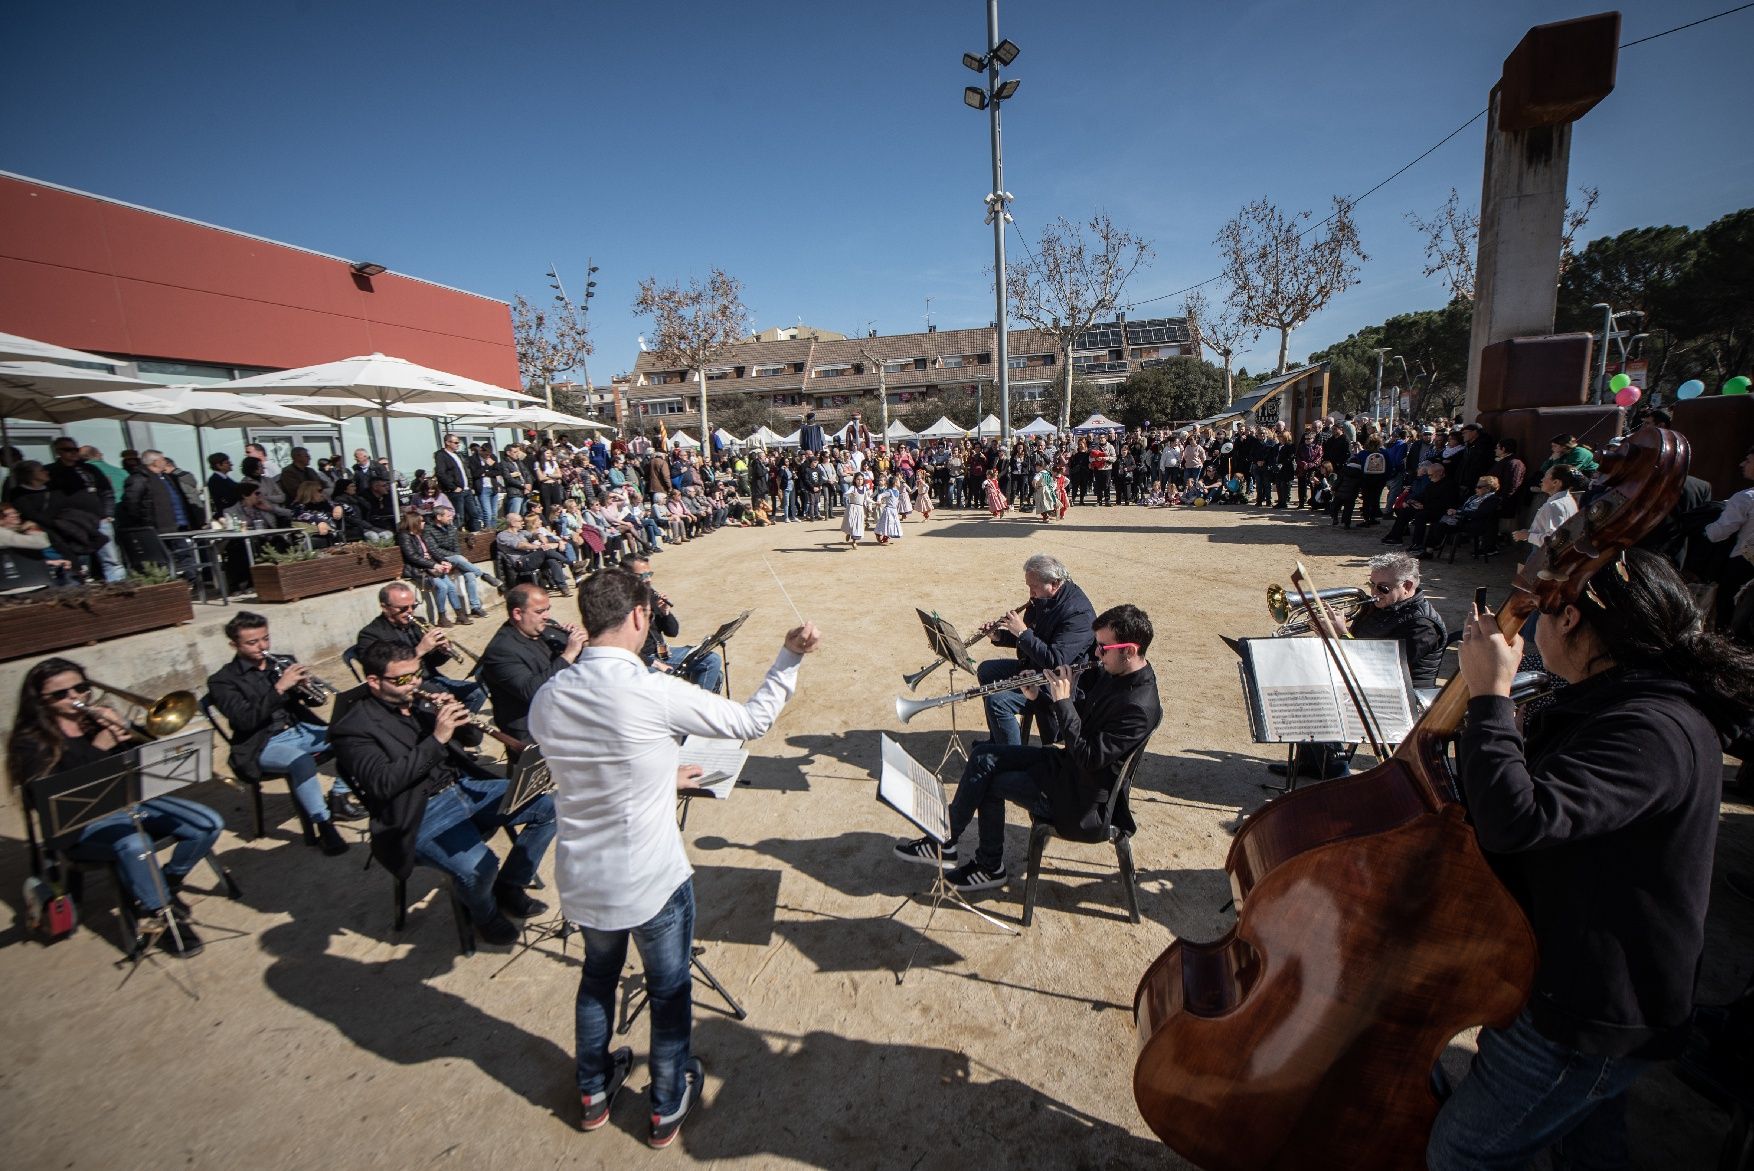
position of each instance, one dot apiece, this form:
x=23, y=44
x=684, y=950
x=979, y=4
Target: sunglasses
x=402, y=609
x=1377, y=587
x=64, y=692
x=399, y=680
x=1102, y=648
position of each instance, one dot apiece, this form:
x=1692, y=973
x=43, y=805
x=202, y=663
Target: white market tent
x=763, y=436
x=726, y=439
x=792, y=439
x=683, y=439
x=899, y=430
x=987, y=426
x=1097, y=422
x=944, y=429
x=1037, y=426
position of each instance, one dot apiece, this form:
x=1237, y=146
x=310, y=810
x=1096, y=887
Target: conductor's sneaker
x=597, y=1106
x=515, y=903
x=925, y=852
x=665, y=1127
x=499, y=931
x=973, y=877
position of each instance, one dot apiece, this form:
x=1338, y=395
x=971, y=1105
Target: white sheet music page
x=167, y=765
x=909, y=788
x=721, y=759
x=1304, y=698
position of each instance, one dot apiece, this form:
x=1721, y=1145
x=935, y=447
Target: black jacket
x=1417, y=626
x=381, y=629
x=1603, y=826
x=450, y=476
x=444, y=539
x=257, y=713
x=1098, y=730
x=394, y=765
x=1059, y=630
x=513, y=669
x=146, y=504
x=663, y=623
x=379, y=512
x=419, y=554
x=84, y=484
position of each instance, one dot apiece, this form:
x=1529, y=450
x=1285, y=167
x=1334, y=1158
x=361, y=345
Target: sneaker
x=330, y=839
x=596, y=1106
x=925, y=852
x=490, y=580
x=974, y=877
x=665, y=1127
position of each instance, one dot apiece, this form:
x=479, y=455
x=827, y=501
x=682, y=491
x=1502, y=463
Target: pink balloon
x=1628, y=396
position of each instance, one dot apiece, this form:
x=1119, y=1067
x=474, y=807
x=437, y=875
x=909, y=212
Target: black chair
x=508, y=576
x=350, y=656
x=1042, y=829
x=304, y=819
x=459, y=913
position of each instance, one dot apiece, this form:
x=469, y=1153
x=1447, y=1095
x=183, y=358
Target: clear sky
x=821, y=152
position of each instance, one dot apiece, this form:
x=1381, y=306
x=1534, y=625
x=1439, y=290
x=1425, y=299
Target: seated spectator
x=1477, y=516
x=313, y=510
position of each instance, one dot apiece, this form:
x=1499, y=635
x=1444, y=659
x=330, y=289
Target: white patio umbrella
x=534, y=416
x=25, y=384
x=380, y=380
x=14, y=348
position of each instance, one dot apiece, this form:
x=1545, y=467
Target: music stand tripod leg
x=631, y=1014
x=954, y=746
x=943, y=892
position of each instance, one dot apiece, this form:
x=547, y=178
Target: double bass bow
x=1370, y=929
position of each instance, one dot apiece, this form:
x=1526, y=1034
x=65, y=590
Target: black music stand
x=718, y=640
x=948, y=645
x=530, y=778
x=905, y=786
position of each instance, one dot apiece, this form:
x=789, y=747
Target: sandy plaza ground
x=321, y=1038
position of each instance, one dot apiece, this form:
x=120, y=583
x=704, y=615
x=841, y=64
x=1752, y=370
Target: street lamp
x=584, y=312
x=997, y=91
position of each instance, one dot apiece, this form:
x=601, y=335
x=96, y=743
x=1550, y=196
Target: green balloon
x=1620, y=382
x=1737, y=385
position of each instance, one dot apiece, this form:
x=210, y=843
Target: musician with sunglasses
x=59, y=728
x=430, y=647
x=1114, y=713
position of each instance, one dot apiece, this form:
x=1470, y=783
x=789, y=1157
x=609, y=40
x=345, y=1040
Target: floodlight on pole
x=1005, y=52
x=997, y=91
x=1006, y=89
x=974, y=99
x=970, y=61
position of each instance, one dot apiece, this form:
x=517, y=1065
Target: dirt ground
x=310, y=1034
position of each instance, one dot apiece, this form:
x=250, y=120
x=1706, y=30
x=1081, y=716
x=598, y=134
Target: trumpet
x=906, y=709
x=313, y=691
x=1349, y=601
x=164, y=716
x=982, y=631
x=458, y=654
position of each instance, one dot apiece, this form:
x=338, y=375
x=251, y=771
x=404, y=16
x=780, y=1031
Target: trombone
x=981, y=632
x=457, y=652
x=164, y=716
x=1348, y=601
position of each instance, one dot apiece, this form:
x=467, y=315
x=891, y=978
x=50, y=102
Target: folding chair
x=258, y=821
x=1042, y=829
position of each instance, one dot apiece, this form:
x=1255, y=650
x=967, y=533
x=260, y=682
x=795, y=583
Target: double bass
x=1370, y=928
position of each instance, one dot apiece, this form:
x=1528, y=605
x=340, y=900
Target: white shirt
x=1559, y=508
x=609, y=729
x=1737, y=519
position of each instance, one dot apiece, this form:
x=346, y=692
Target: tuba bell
x=1348, y=601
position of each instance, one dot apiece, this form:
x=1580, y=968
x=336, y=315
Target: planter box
x=82, y=617
x=337, y=569
x=478, y=547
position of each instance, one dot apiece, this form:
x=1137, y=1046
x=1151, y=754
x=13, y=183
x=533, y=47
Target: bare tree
x=1222, y=331
x=1072, y=281
x=1452, y=239
x=1280, y=273
x=693, y=326
x=549, y=342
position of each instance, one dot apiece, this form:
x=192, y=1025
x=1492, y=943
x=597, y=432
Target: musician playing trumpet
x=428, y=645
x=1052, y=630
x=1102, y=718
x=267, y=699
x=526, y=652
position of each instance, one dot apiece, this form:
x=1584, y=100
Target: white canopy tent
x=987, y=426
x=792, y=439
x=1037, y=426
x=1097, y=422
x=683, y=439
x=899, y=430
x=944, y=429
x=763, y=436
x=726, y=439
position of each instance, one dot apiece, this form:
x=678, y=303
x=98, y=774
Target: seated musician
x=1115, y=712
x=430, y=801
x=431, y=646
x=708, y=671
x=1399, y=610
x=1601, y=817
x=523, y=655
x=274, y=728
x=1052, y=630
x=58, y=728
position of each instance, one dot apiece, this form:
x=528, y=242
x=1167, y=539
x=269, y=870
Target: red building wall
x=96, y=275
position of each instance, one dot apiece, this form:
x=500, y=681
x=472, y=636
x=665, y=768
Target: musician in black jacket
x=432, y=802
x=523, y=655
x=1052, y=630
x=1069, y=781
x=1601, y=818
x=273, y=726
x=430, y=646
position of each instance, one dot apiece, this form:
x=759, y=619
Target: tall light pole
x=1406, y=378
x=1376, y=395
x=998, y=53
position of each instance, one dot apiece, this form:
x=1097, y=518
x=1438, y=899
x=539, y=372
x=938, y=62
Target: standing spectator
x=153, y=499
x=222, y=490
x=95, y=458
x=485, y=472
x=75, y=484
x=298, y=474
x=450, y=466
x=1510, y=473
x=360, y=470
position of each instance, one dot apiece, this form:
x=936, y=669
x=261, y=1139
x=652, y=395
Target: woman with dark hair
x=58, y=728
x=424, y=564
x=1601, y=818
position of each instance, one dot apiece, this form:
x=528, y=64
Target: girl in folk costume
x=889, y=512
x=1046, y=498
x=1061, y=484
x=853, y=524
x=996, y=502
x=904, y=486
x=923, y=493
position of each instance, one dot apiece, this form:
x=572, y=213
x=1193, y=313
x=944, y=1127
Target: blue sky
x=821, y=152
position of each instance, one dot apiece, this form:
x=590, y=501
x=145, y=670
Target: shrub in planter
x=47, y=620
x=287, y=577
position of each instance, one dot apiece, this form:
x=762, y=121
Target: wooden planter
x=478, y=547
x=82, y=617
x=340, y=568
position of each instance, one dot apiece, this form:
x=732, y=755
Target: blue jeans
x=791, y=507
x=488, y=499
x=469, y=691
x=664, y=943
x=514, y=503
x=294, y=752
x=443, y=587
x=109, y=557
x=471, y=506
x=114, y=839
x=707, y=674
x=994, y=774
x=1003, y=707
x=454, y=832
x=1525, y=1093
x=464, y=569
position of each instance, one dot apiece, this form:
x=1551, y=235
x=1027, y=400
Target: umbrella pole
x=389, y=450
x=201, y=458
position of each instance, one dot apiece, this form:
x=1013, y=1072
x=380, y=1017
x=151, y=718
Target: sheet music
x=722, y=759
x=1302, y=696
x=909, y=788
x=168, y=764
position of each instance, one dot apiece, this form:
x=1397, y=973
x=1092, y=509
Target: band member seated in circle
x=1115, y=712
x=708, y=672
x=274, y=726
x=59, y=728
x=1601, y=817
x=525, y=653
x=432, y=802
x=431, y=647
x=1052, y=630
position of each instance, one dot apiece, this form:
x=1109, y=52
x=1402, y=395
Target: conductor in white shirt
x=620, y=867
